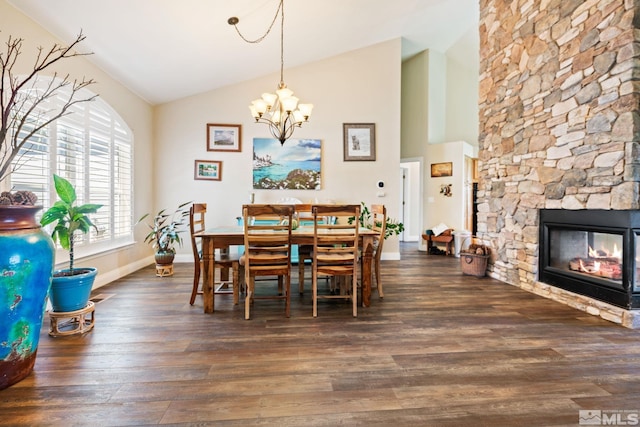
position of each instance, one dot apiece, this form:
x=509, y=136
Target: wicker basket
x=474, y=260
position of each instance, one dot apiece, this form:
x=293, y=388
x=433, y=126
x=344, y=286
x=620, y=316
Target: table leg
x=208, y=258
x=367, y=262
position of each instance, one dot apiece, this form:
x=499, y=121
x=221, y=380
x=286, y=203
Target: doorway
x=411, y=201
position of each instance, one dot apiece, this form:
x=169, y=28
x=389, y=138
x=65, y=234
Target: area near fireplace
x=592, y=253
x=559, y=108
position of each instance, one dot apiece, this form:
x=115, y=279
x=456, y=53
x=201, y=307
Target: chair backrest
x=267, y=244
x=197, y=212
x=303, y=212
x=335, y=243
x=379, y=224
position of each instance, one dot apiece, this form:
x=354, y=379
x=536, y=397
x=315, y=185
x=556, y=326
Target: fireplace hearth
x=594, y=253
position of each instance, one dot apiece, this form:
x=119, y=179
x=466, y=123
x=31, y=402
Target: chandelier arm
x=234, y=21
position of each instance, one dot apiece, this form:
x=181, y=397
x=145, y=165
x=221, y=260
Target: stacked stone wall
x=559, y=118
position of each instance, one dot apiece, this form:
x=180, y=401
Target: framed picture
x=359, y=141
x=441, y=169
x=296, y=165
x=208, y=169
x=224, y=137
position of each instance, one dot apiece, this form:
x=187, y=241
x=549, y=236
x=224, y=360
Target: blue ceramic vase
x=26, y=268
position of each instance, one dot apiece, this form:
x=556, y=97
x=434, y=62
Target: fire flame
x=617, y=253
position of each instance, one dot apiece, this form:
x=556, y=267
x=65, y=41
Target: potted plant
x=26, y=252
x=394, y=227
x=164, y=233
x=71, y=287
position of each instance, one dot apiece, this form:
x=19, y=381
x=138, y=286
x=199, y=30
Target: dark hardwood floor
x=441, y=349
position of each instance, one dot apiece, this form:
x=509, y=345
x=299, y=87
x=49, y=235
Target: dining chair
x=305, y=218
x=267, y=250
x=335, y=250
x=379, y=224
x=225, y=261
x=303, y=211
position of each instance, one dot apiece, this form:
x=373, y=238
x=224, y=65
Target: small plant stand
x=164, y=270
x=72, y=322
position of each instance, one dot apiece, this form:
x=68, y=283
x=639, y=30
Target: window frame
x=113, y=134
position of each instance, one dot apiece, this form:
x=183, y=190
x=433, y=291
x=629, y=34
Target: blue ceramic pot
x=26, y=266
x=71, y=292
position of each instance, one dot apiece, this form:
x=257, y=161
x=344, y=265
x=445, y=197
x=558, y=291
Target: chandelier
x=281, y=110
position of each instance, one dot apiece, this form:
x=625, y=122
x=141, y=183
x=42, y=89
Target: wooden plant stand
x=72, y=322
x=164, y=270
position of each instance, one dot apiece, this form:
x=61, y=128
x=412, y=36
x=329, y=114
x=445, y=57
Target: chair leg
x=378, y=282
x=196, y=282
x=247, y=299
x=314, y=292
x=354, y=293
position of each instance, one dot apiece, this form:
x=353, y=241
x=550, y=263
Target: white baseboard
x=393, y=256
x=113, y=275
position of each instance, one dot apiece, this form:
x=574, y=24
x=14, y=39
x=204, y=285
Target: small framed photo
x=209, y=170
x=224, y=137
x=441, y=169
x=359, y=141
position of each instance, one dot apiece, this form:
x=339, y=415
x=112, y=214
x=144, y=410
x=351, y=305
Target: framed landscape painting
x=441, y=169
x=208, y=169
x=296, y=165
x=224, y=137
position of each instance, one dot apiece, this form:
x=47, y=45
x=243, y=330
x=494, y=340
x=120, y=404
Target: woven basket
x=474, y=264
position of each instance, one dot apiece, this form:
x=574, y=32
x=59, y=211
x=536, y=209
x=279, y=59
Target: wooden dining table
x=223, y=237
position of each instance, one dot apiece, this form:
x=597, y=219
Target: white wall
x=362, y=86
x=440, y=208
x=462, y=118
x=136, y=113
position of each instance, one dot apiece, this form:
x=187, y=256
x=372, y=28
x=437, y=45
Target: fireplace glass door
x=588, y=253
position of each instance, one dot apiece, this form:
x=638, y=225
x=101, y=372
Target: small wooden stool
x=164, y=270
x=77, y=322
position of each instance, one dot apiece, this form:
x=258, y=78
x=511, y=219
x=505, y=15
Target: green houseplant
x=394, y=227
x=164, y=232
x=70, y=288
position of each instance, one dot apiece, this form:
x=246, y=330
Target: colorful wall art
x=296, y=165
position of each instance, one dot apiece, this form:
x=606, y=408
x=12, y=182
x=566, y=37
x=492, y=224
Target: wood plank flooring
x=441, y=349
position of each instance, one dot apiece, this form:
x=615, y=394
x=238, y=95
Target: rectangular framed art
x=441, y=169
x=296, y=165
x=208, y=169
x=359, y=141
x=224, y=137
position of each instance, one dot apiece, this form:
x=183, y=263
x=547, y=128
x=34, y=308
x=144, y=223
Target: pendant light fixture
x=281, y=110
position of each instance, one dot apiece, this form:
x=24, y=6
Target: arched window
x=93, y=149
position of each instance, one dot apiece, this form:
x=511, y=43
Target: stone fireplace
x=559, y=113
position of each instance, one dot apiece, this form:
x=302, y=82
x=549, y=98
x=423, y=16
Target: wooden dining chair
x=303, y=211
x=379, y=224
x=335, y=250
x=267, y=250
x=225, y=261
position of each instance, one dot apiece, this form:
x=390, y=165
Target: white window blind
x=93, y=149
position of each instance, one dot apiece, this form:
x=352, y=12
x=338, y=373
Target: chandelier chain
x=280, y=11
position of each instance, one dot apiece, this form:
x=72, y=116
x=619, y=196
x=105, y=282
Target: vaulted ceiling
x=166, y=49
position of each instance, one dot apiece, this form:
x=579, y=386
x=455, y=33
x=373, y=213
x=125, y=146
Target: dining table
x=225, y=236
